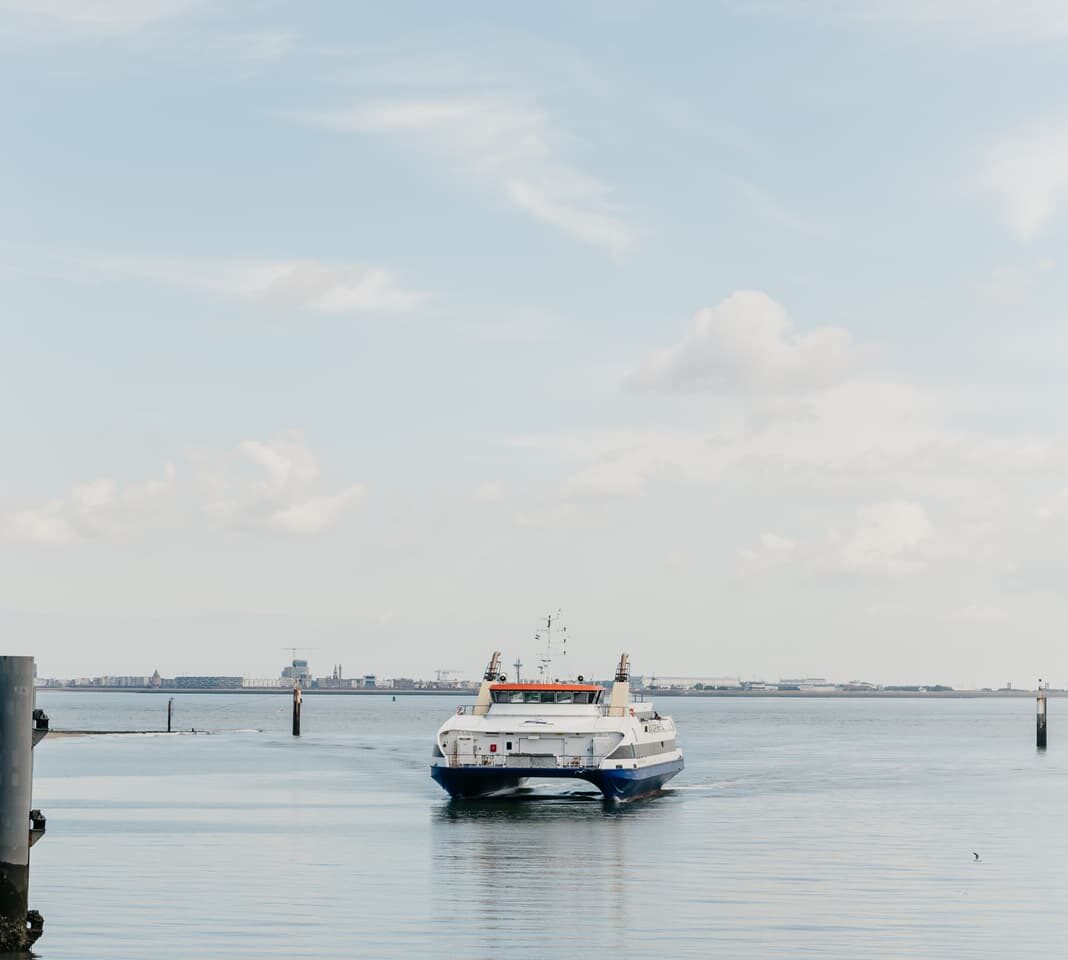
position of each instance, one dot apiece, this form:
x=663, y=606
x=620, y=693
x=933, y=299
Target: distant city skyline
x=444, y=677
x=736, y=330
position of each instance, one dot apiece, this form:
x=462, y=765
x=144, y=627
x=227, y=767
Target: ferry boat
x=514, y=731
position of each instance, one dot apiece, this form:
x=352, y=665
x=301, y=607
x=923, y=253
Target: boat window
x=517, y=698
x=508, y=745
x=565, y=696
x=547, y=696
x=532, y=696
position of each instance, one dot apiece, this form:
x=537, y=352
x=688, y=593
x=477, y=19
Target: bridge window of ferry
x=565, y=696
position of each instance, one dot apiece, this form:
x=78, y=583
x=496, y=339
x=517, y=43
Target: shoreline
x=650, y=694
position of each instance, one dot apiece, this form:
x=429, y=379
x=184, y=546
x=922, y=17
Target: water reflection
x=536, y=865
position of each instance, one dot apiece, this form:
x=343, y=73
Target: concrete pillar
x=17, y=723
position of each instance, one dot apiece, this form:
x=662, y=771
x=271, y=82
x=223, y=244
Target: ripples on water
x=800, y=828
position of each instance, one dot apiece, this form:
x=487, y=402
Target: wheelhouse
x=546, y=693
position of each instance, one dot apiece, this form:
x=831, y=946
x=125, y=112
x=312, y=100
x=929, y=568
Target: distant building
x=693, y=683
x=805, y=683
x=208, y=683
x=155, y=680
x=298, y=672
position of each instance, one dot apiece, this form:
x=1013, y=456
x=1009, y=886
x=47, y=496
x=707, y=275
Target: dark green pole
x=1040, y=736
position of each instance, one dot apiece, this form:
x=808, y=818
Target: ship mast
x=546, y=634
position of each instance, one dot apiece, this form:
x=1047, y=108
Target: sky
x=733, y=329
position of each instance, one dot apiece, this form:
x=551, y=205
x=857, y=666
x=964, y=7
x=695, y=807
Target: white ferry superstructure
x=514, y=731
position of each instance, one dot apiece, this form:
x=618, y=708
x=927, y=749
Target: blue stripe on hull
x=468, y=782
x=464, y=782
x=628, y=784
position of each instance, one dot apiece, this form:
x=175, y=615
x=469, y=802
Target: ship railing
x=603, y=710
x=546, y=761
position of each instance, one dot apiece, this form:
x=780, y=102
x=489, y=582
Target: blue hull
x=469, y=782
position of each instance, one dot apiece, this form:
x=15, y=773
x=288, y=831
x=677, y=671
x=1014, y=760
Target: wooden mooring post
x=21, y=728
x=170, y=713
x=296, y=709
x=1040, y=729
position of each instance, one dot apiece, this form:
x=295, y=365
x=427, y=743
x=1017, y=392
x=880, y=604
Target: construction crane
x=443, y=675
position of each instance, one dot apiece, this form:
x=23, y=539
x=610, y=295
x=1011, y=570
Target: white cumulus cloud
x=317, y=512
x=258, y=485
x=747, y=343
x=100, y=509
x=281, y=491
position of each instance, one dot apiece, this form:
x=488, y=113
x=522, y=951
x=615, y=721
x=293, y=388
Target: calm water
x=800, y=828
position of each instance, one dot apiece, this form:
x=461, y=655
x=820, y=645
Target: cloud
x=984, y=19
x=747, y=344
x=260, y=47
x=300, y=284
x=1027, y=175
x=256, y=486
x=488, y=492
x=886, y=539
x=100, y=14
x=281, y=492
x=513, y=147
x=770, y=552
x=1010, y=283
x=316, y=513
x=100, y=509
x=987, y=21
